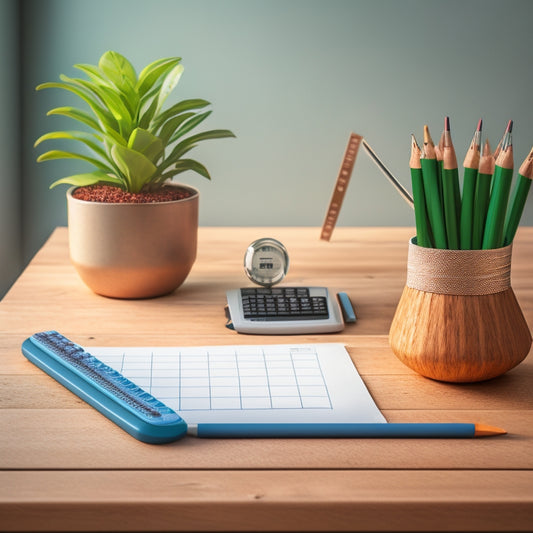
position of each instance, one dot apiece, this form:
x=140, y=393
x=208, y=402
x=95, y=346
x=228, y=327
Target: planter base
x=459, y=339
x=131, y=283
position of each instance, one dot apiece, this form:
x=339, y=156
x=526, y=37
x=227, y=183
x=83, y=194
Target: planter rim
x=194, y=195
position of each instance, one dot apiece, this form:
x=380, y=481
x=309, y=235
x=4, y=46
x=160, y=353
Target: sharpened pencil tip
x=526, y=168
x=427, y=136
x=482, y=430
x=447, y=139
x=479, y=125
x=507, y=141
x=414, y=161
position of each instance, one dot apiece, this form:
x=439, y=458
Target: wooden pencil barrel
x=458, y=319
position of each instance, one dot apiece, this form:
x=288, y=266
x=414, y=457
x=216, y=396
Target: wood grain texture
x=65, y=467
x=101, y=445
x=459, y=338
x=269, y=500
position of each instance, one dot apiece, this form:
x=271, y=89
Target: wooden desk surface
x=66, y=467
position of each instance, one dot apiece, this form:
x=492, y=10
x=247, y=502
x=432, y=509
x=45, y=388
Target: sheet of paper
x=274, y=383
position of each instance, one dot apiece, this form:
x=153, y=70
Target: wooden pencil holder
x=458, y=319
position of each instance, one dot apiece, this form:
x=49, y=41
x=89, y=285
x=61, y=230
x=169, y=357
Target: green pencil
x=503, y=175
x=499, y=147
x=450, y=189
x=482, y=197
x=438, y=156
x=470, y=164
x=518, y=201
x=428, y=163
x=423, y=236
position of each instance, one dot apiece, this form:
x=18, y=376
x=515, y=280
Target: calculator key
x=282, y=303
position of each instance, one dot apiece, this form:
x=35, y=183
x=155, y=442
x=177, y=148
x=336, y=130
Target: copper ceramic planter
x=133, y=250
x=458, y=319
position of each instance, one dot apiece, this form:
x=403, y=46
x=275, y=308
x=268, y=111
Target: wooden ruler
x=343, y=178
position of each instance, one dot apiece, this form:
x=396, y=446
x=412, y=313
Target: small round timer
x=266, y=262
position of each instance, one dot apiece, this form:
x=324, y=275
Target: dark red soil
x=114, y=195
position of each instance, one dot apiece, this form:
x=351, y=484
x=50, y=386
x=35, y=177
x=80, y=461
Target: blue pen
x=347, y=309
x=370, y=430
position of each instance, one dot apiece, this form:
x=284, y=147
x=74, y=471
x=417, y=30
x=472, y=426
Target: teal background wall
x=292, y=79
x=10, y=176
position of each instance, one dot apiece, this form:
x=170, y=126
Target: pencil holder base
x=456, y=337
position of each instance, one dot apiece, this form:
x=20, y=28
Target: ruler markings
x=343, y=178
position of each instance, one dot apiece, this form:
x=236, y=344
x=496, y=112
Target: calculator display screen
x=266, y=262
x=267, y=267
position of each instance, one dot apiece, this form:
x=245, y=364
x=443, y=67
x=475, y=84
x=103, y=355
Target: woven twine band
x=459, y=272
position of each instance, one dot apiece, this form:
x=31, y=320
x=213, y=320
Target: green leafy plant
x=133, y=143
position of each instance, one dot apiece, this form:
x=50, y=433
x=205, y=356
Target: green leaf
x=116, y=115
x=173, y=158
x=144, y=142
x=147, y=116
x=87, y=138
x=170, y=82
x=118, y=69
x=68, y=85
x=76, y=114
x=126, y=115
x=190, y=164
x=159, y=92
x=152, y=72
x=63, y=154
x=122, y=74
x=171, y=125
x=82, y=136
x=136, y=167
x=184, y=146
x=182, y=166
x=205, y=135
x=189, y=125
x=128, y=94
x=119, y=109
x=86, y=118
x=148, y=103
x=176, y=109
x=93, y=72
x=91, y=178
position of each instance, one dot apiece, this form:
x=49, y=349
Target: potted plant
x=132, y=232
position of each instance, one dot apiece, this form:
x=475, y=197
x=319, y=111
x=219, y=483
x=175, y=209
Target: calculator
x=283, y=310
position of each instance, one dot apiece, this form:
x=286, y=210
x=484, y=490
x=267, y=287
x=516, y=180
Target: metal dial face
x=266, y=262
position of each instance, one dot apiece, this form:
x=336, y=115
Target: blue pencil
x=370, y=430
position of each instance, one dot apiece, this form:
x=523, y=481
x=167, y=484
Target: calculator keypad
x=282, y=303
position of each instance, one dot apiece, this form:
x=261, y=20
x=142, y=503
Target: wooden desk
x=66, y=467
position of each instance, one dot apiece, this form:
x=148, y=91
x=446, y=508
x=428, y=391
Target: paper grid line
x=262, y=378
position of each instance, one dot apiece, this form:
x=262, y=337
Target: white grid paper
x=270, y=383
